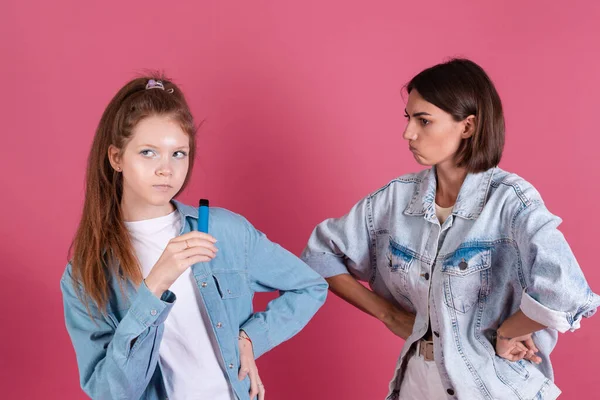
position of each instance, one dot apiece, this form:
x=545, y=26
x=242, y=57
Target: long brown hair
x=102, y=246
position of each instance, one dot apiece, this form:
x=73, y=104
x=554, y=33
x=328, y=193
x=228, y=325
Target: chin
x=421, y=161
x=160, y=201
x=425, y=164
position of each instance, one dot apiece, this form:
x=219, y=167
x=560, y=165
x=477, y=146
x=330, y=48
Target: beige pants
x=422, y=381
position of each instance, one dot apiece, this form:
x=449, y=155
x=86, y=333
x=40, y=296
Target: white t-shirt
x=189, y=353
x=443, y=213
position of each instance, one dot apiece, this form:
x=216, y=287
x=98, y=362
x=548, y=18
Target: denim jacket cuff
x=148, y=309
x=327, y=265
x=558, y=320
x=258, y=332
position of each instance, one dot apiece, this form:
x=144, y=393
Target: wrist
x=502, y=335
x=393, y=315
x=244, y=338
x=154, y=287
x=388, y=315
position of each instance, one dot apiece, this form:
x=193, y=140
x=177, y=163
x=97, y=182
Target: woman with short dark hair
x=464, y=260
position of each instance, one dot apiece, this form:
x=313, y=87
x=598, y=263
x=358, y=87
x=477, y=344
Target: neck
x=449, y=182
x=134, y=211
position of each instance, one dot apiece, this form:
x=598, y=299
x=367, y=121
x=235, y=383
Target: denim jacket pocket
x=231, y=284
x=523, y=379
x=466, y=277
x=399, y=260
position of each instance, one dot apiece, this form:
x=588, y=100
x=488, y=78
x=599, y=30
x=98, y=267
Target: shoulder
x=514, y=189
x=217, y=215
x=401, y=185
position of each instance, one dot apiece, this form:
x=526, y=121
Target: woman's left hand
x=248, y=367
x=515, y=349
x=512, y=340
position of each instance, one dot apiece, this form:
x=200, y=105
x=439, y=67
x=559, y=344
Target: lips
x=162, y=188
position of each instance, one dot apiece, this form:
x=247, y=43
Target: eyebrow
x=154, y=147
x=417, y=114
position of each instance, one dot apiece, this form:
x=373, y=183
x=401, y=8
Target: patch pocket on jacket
x=400, y=258
x=466, y=279
x=231, y=284
x=399, y=262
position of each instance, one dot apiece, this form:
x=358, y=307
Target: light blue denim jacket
x=500, y=251
x=117, y=353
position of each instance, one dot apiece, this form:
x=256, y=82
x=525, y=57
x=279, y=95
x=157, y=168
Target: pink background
x=303, y=118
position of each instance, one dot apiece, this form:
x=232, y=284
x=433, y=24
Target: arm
x=348, y=288
x=342, y=251
x=116, y=362
x=518, y=324
x=556, y=294
x=302, y=291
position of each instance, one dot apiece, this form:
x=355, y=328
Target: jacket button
x=426, y=276
x=450, y=392
x=219, y=325
x=153, y=312
x=204, y=284
x=437, y=334
x=463, y=265
x=230, y=366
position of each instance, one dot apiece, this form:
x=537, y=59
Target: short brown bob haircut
x=462, y=88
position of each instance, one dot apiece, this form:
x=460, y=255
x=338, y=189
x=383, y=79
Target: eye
x=424, y=121
x=147, y=153
x=180, y=154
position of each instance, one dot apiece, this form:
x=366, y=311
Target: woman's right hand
x=181, y=253
x=399, y=322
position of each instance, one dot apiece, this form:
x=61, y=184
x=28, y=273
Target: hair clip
x=154, y=84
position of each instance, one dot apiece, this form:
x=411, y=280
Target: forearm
x=349, y=289
x=517, y=325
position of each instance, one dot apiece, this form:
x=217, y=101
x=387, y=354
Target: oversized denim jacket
x=118, y=352
x=499, y=251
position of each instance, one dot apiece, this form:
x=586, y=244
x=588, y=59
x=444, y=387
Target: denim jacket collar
x=185, y=210
x=469, y=203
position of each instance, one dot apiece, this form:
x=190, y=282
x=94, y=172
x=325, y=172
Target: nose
x=164, y=168
x=409, y=133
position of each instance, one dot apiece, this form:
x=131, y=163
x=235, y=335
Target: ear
x=114, y=156
x=469, y=124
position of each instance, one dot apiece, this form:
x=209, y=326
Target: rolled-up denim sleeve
x=343, y=245
x=557, y=294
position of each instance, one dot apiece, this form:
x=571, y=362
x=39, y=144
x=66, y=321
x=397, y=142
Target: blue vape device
x=203, y=216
